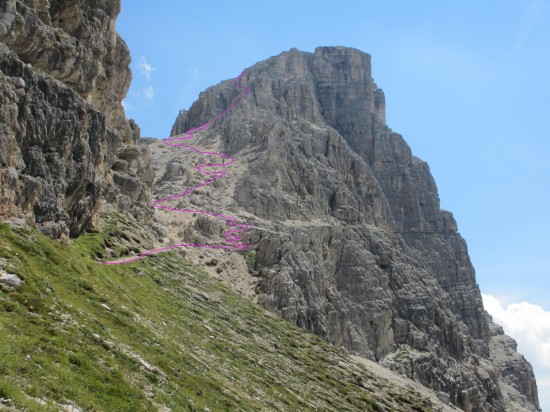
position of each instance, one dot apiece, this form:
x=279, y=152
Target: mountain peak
x=349, y=238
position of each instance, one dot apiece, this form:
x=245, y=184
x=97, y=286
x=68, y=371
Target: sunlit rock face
x=349, y=236
x=64, y=72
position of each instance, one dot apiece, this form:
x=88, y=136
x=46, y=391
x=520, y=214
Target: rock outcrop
x=349, y=238
x=348, y=235
x=65, y=142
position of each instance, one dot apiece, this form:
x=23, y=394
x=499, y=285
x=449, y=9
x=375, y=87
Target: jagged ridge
x=65, y=143
x=350, y=239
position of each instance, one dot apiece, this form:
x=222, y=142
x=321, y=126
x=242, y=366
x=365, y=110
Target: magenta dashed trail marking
x=232, y=237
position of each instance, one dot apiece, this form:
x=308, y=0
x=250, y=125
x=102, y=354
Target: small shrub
x=250, y=258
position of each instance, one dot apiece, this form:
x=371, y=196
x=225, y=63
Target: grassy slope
x=159, y=333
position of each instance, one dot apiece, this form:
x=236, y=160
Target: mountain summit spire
x=350, y=240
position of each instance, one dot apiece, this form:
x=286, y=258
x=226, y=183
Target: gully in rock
x=233, y=237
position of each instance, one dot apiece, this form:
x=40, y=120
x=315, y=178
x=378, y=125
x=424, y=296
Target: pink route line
x=232, y=237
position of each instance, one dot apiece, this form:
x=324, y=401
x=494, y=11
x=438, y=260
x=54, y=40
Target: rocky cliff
x=349, y=240
x=66, y=146
x=77, y=335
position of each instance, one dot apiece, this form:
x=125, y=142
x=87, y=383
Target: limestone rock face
x=350, y=240
x=63, y=74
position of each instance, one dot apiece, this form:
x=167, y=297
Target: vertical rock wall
x=64, y=72
x=349, y=236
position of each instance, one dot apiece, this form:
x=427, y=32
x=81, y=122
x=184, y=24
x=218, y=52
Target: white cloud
x=529, y=325
x=149, y=92
x=543, y=386
x=193, y=75
x=146, y=68
x=528, y=22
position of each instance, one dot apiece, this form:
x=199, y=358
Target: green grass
x=250, y=259
x=158, y=332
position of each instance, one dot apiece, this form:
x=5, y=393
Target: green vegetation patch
x=156, y=333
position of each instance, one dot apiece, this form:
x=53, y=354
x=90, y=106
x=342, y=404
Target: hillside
x=160, y=335
x=357, y=292
x=345, y=222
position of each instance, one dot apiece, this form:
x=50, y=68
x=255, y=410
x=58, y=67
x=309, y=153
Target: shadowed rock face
x=64, y=72
x=349, y=236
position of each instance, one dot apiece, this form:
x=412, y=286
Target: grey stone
x=201, y=297
x=350, y=239
x=9, y=279
x=443, y=397
x=63, y=74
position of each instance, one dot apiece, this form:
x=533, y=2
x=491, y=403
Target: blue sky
x=466, y=84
